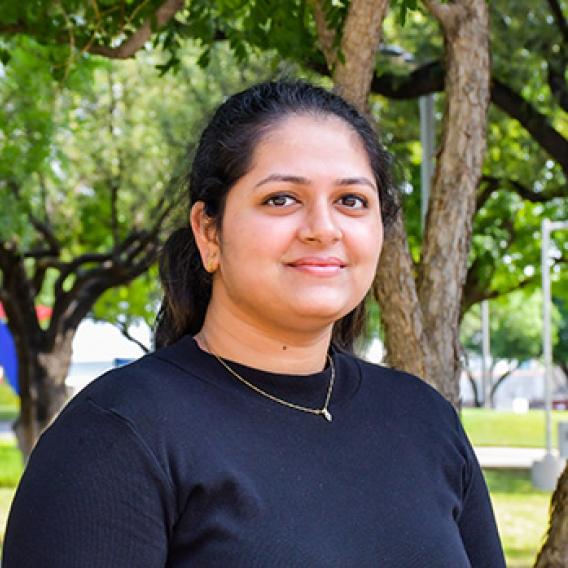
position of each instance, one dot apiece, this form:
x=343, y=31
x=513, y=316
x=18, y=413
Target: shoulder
x=147, y=393
x=148, y=378
x=404, y=394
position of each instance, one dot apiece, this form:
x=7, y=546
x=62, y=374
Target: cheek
x=251, y=238
x=366, y=241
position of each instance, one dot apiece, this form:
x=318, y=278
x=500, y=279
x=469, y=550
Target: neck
x=277, y=350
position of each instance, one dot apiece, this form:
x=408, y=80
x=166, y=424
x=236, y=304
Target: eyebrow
x=299, y=180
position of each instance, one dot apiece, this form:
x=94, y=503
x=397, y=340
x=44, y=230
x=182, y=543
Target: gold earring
x=211, y=265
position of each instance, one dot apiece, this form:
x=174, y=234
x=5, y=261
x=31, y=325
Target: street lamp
x=545, y=472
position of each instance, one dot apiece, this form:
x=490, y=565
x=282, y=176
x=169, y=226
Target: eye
x=280, y=200
x=353, y=201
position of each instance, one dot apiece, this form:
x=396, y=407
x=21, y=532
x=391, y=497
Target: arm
x=92, y=495
x=477, y=522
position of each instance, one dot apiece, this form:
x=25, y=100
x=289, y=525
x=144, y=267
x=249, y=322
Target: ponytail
x=186, y=286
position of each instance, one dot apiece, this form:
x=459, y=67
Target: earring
x=211, y=265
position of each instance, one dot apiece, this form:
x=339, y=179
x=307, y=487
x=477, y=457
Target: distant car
x=560, y=404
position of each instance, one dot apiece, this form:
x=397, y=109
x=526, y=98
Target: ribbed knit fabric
x=171, y=461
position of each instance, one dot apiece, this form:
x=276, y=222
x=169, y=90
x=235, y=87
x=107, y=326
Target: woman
x=254, y=437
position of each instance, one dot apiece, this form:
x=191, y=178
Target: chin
x=326, y=312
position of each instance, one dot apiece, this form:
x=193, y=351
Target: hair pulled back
x=224, y=155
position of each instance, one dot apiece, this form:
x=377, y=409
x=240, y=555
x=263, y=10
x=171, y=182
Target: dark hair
x=222, y=157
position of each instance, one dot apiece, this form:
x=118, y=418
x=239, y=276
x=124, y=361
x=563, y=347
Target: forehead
x=307, y=140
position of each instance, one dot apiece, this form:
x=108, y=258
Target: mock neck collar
x=306, y=390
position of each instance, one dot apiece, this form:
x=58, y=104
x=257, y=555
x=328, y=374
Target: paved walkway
x=6, y=433
x=510, y=458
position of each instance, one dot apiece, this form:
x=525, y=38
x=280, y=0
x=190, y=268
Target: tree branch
x=501, y=379
x=123, y=328
x=353, y=74
x=20, y=308
x=442, y=12
x=326, y=36
x=487, y=187
x=523, y=191
x=559, y=18
x=45, y=229
x=143, y=34
x=557, y=83
x=533, y=121
x=476, y=296
x=422, y=81
x=430, y=78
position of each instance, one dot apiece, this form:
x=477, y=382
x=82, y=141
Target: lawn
x=521, y=512
x=486, y=427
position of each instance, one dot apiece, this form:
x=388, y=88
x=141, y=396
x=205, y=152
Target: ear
x=206, y=236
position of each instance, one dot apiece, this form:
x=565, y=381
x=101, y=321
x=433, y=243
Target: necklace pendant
x=327, y=414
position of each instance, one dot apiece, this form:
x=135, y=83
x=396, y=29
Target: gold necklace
x=324, y=411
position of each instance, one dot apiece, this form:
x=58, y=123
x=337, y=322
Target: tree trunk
x=420, y=312
x=359, y=44
x=406, y=342
x=554, y=553
x=475, y=390
x=458, y=170
x=42, y=374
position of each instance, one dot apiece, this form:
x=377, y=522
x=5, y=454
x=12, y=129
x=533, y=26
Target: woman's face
x=302, y=232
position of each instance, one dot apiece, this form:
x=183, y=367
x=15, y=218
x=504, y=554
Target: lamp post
x=545, y=472
x=485, y=354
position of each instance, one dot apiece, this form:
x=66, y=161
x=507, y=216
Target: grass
x=6, y=496
x=11, y=465
x=486, y=427
x=521, y=512
x=9, y=403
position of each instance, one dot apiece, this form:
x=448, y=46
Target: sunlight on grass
x=521, y=512
x=6, y=496
x=11, y=464
x=486, y=427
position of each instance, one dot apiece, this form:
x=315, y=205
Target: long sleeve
x=476, y=523
x=92, y=495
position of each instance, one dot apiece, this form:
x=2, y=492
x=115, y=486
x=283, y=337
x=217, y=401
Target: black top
x=171, y=461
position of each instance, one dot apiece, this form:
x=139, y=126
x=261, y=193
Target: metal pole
x=428, y=141
x=546, y=336
x=485, y=353
x=547, y=227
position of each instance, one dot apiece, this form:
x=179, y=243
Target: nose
x=320, y=225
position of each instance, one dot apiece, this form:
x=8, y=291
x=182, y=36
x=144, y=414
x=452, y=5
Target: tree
x=89, y=181
x=421, y=308
x=515, y=332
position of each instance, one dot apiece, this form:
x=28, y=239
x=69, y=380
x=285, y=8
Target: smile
x=319, y=266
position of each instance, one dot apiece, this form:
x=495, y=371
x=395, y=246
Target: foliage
x=94, y=157
x=523, y=182
x=515, y=327
x=560, y=351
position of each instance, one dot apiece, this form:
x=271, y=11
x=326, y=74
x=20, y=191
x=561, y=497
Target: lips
x=318, y=262
x=318, y=266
